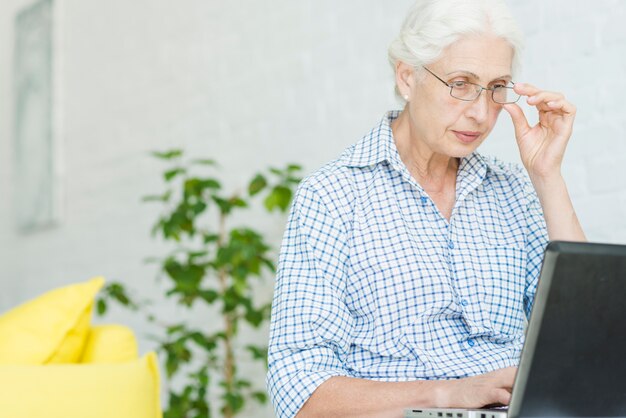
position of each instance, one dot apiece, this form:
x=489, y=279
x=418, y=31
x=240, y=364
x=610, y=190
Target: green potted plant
x=214, y=264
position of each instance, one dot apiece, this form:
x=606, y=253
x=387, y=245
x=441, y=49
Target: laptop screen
x=574, y=360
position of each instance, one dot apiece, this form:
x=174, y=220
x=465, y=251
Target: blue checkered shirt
x=373, y=282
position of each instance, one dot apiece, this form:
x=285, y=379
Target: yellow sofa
x=55, y=364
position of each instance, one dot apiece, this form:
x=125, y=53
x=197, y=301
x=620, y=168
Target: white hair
x=433, y=25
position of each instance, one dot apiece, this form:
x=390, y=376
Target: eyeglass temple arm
x=437, y=77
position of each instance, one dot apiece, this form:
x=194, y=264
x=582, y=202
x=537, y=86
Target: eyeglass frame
x=478, y=92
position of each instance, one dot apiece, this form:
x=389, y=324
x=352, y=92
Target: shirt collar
x=375, y=147
x=378, y=146
x=471, y=173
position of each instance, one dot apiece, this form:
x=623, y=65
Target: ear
x=405, y=78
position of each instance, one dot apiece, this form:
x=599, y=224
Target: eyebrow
x=471, y=74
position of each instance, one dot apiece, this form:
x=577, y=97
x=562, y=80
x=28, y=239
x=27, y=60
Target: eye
x=499, y=84
x=459, y=84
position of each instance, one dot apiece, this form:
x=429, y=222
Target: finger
x=519, y=119
x=550, y=101
x=544, y=96
x=535, y=95
x=501, y=396
x=560, y=105
x=525, y=89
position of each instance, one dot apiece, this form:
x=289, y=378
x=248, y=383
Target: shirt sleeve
x=311, y=326
x=536, y=242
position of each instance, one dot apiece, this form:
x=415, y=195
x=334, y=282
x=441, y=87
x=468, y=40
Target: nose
x=479, y=108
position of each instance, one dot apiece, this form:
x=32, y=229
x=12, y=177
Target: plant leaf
x=276, y=171
x=165, y=197
x=205, y=161
x=258, y=353
x=279, y=198
x=294, y=167
x=260, y=397
x=209, y=295
x=101, y=307
x=170, y=174
x=210, y=238
x=168, y=155
x=238, y=202
x=254, y=317
x=257, y=184
x=234, y=401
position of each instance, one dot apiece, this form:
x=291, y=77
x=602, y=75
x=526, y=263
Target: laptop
x=573, y=363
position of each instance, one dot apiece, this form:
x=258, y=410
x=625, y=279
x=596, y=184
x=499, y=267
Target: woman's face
x=445, y=124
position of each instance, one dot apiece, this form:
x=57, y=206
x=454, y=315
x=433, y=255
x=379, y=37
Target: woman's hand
x=479, y=391
x=542, y=146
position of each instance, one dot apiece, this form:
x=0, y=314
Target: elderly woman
x=409, y=264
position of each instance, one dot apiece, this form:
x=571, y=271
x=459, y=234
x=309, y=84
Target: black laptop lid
x=574, y=361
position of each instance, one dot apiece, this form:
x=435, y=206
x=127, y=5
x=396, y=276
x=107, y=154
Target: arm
x=558, y=210
x=542, y=148
x=348, y=397
x=345, y=397
x=310, y=324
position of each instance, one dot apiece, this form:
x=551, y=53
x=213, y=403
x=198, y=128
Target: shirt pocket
x=502, y=273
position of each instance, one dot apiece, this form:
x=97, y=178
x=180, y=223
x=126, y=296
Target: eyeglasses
x=464, y=90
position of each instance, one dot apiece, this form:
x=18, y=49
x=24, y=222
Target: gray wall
x=254, y=83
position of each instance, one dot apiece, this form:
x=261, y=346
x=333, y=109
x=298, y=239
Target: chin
x=462, y=151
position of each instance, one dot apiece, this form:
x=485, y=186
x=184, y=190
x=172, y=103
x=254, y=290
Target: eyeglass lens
x=468, y=91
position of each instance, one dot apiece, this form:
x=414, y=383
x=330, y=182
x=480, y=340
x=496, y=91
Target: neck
x=432, y=170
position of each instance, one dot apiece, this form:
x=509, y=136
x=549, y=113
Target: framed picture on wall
x=36, y=185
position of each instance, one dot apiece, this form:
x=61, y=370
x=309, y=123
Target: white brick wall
x=253, y=83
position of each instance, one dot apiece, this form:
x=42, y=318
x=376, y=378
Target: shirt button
x=451, y=244
x=424, y=199
x=464, y=302
x=471, y=343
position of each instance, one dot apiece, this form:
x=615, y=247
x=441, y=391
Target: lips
x=467, y=136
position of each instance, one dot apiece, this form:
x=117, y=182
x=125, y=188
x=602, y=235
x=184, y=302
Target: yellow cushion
x=123, y=390
x=110, y=344
x=51, y=328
